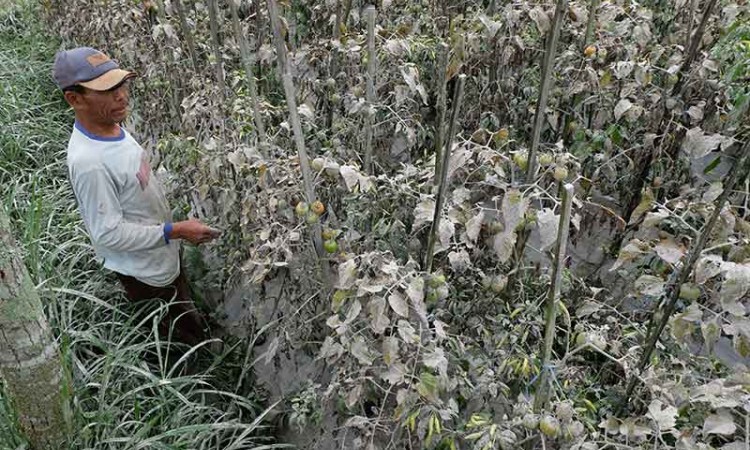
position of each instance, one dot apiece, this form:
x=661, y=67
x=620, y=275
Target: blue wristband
x=167, y=231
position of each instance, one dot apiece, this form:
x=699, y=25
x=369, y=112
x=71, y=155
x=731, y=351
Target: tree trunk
x=29, y=357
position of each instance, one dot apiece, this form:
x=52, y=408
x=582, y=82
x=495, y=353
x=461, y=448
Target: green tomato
x=521, y=159
x=549, y=426
x=436, y=281
x=331, y=246
x=561, y=173
x=301, y=209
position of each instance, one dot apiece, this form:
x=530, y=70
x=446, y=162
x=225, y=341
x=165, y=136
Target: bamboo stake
x=333, y=68
x=248, y=59
x=442, y=67
x=553, y=296
x=371, y=67
x=458, y=97
x=170, y=65
x=216, y=45
x=186, y=33
x=737, y=174
x=547, y=69
x=590, y=24
x=299, y=138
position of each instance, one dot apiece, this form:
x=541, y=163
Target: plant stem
x=371, y=67
x=738, y=173
x=458, y=97
x=299, y=138
x=248, y=59
x=547, y=69
x=442, y=68
x=553, y=295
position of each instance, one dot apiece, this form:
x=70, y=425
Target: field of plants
x=447, y=224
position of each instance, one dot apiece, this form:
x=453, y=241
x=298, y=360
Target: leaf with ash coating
x=669, y=251
x=378, y=320
x=664, y=415
x=435, y=359
x=735, y=287
x=540, y=18
x=474, y=226
x=415, y=292
x=347, y=274
x=719, y=423
x=622, y=107
x=630, y=252
x=548, y=222
x=446, y=232
x=707, y=267
x=459, y=260
x=411, y=77
x=390, y=350
x=398, y=304
x=362, y=351
x=424, y=212
x=513, y=207
x=698, y=144
x=407, y=332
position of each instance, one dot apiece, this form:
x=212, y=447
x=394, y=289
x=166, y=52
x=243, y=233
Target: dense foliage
x=644, y=117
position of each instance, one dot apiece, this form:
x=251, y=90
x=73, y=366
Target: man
x=122, y=204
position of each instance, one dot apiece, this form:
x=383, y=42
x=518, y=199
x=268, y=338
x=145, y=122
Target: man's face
x=104, y=107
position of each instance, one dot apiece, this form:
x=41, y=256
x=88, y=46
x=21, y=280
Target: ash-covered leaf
x=719, y=423
x=424, y=212
x=378, y=320
x=398, y=304
x=548, y=222
x=622, y=107
x=347, y=274
x=435, y=359
x=459, y=260
x=361, y=350
x=665, y=416
x=698, y=144
x=669, y=251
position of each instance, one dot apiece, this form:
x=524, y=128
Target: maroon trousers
x=188, y=324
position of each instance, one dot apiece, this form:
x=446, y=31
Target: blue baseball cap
x=87, y=67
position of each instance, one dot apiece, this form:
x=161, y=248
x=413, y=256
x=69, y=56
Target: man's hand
x=193, y=231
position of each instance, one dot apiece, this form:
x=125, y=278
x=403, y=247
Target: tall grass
x=130, y=388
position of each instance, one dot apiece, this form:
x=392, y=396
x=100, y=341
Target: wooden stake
x=442, y=68
x=547, y=68
x=299, y=138
x=458, y=97
x=371, y=67
x=590, y=24
x=216, y=45
x=553, y=296
x=187, y=35
x=248, y=59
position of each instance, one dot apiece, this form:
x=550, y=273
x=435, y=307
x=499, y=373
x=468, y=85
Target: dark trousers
x=189, y=325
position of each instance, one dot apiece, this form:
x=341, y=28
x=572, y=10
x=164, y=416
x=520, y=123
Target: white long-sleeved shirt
x=123, y=206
